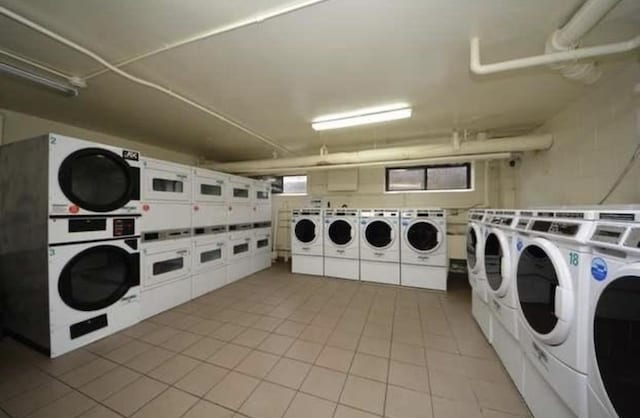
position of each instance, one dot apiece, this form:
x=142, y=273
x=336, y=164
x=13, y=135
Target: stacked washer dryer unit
x=499, y=258
x=261, y=258
x=307, y=249
x=613, y=315
x=166, y=237
x=423, y=253
x=209, y=222
x=552, y=277
x=380, y=245
x=341, y=243
x=69, y=235
x=240, y=228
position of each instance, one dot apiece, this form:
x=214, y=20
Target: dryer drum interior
x=305, y=230
x=616, y=339
x=493, y=255
x=378, y=234
x=423, y=236
x=97, y=179
x=537, y=281
x=340, y=232
x=98, y=277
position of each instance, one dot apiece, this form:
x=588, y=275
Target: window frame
x=470, y=178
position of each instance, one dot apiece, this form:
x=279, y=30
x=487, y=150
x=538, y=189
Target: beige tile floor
x=276, y=345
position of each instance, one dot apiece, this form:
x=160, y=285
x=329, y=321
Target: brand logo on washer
x=599, y=269
x=131, y=155
x=519, y=245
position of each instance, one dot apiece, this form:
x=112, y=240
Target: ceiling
x=276, y=76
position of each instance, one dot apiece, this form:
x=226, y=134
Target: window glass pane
x=211, y=255
x=294, y=184
x=242, y=248
x=262, y=243
x=261, y=194
x=210, y=189
x=163, y=185
x=406, y=179
x=240, y=192
x=447, y=178
x=166, y=266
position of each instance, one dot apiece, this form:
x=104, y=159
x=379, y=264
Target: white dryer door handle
x=563, y=304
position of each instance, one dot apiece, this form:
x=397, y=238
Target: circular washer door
x=97, y=277
x=379, y=234
x=472, y=247
x=340, y=232
x=497, y=261
x=545, y=291
x=423, y=236
x=305, y=231
x=616, y=339
x=96, y=179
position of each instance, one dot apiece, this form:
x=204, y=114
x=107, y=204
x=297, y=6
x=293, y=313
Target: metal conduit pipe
x=397, y=155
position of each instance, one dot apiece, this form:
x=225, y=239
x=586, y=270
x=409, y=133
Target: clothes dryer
x=209, y=198
x=209, y=261
x=261, y=257
x=240, y=200
x=241, y=239
x=341, y=243
x=307, y=252
x=167, y=195
x=380, y=245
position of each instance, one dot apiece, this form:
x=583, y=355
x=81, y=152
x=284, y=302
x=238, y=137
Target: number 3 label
x=573, y=259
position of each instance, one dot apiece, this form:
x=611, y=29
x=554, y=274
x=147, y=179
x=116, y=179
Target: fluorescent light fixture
x=376, y=114
x=55, y=85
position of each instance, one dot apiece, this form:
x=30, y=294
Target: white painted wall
x=18, y=126
x=594, y=138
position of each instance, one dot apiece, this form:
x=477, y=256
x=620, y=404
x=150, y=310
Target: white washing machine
x=498, y=261
x=423, y=253
x=261, y=201
x=240, y=200
x=240, y=251
x=166, y=195
x=480, y=291
x=261, y=258
x=89, y=178
x=341, y=243
x=475, y=239
x=552, y=273
x=209, y=198
x=307, y=252
x=614, y=316
x=166, y=270
x=209, y=262
x=380, y=245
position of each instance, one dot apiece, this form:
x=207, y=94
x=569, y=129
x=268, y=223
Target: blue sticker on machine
x=599, y=269
x=519, y=245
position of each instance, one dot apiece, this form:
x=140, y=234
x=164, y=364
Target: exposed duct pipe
x=388, y=163
x=513, y=144
x=562, y=48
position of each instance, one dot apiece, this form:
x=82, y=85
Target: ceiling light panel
x=366, y=116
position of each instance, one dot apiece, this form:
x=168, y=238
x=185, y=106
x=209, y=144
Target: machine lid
x=423, y=236
x=305, y=231
x=497, y=261
x=545, y=291
x=379, y=234
x=616, y=339
x=340, y=232
x=97, y=179
x=98, y=277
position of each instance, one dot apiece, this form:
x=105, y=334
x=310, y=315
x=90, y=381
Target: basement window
x=293, y=185
x=446, y=177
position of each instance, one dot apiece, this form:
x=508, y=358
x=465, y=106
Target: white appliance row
x=407, y=247
x=72, y=261
x=557, y=291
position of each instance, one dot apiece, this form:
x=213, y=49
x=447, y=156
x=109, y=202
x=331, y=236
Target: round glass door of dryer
x=340, y=232
x=616, y=339
x=98, y=277
x=379, y=234
x=305, y=231
x=96, y=179
x=422, y=236
x=495, y=260
x=472, y=247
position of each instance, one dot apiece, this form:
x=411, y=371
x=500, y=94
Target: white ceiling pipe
x=404, y=163
x=398, y=154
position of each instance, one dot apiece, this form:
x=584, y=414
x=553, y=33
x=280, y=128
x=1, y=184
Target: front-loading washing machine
x=166, y=270
x=499, y=258
x=613, y=371
x=209, y=198
x=380, y=245
x=480, y=309
x=341, y=243
x=209, y=262
x=261, y=257
x=241, y=239
x=552, y=274
x=307, y=252
x=423, y=253
x=475, y=238
x=166, y=195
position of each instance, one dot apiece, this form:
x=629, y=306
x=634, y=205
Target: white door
x=166, y=264
x=166, y=182
x=210, y=187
